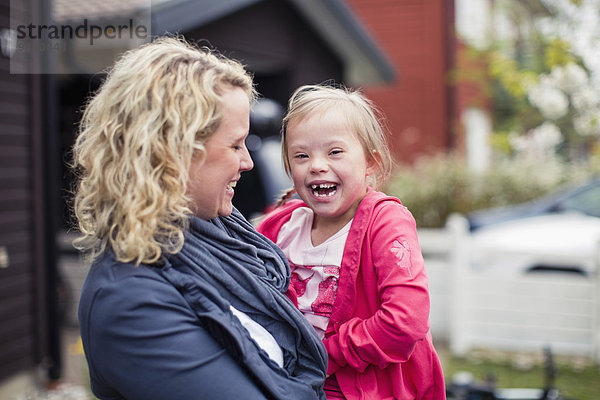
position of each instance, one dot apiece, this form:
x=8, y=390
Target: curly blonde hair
x=156, y=109
x=361, y=115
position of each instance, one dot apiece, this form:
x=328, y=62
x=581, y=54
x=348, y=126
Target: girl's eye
x=301, y=156
x=336, y=151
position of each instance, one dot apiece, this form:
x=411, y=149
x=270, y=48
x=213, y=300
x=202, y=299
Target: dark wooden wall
x=23, y=301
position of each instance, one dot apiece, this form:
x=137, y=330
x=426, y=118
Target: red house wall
x=415, y=35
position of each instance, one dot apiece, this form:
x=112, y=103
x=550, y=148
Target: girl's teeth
x=324, y=189
x=328, y=194
x=323, y=186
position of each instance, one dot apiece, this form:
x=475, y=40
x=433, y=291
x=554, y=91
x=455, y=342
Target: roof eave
x=365, y=62
x=183, y=15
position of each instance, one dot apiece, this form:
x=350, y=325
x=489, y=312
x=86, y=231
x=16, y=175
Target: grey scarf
x=225, y=262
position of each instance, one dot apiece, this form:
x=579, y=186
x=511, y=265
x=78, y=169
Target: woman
x=184, y=299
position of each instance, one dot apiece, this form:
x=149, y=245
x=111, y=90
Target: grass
x=576, y=378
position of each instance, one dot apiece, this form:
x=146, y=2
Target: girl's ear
x=373, y=162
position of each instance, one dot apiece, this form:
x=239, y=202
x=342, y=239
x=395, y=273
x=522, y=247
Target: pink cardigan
x=378, y=338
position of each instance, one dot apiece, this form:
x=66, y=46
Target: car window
x=587, y=202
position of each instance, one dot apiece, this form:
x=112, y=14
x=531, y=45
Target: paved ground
x=63, y=391
x=74, y=365
x=74, y=382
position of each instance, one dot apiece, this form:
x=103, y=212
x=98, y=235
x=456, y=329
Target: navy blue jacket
x=143, y=341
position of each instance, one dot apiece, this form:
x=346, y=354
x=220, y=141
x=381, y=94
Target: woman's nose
x=246, y=163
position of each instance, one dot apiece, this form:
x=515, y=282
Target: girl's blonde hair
x=357, y=111
x=156, y=109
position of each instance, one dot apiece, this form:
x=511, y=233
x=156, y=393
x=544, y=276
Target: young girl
x=357, y=270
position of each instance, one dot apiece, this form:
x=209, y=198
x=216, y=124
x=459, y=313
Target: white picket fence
x=483, y=308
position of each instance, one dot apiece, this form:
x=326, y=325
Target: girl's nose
x=246, y=163
x=318, y=164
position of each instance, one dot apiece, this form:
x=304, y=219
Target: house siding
x=16, y=281
x=416, y=36
x=21, y=290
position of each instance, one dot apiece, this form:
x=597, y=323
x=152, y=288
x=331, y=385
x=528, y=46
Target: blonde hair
x=156, y=109
x=359, y=113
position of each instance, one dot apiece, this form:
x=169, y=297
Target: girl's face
x=328, y=165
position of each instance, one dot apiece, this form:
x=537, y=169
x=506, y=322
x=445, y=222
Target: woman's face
x=213, y=178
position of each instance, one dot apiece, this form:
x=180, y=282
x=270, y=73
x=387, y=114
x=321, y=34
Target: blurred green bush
x=437, y=186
